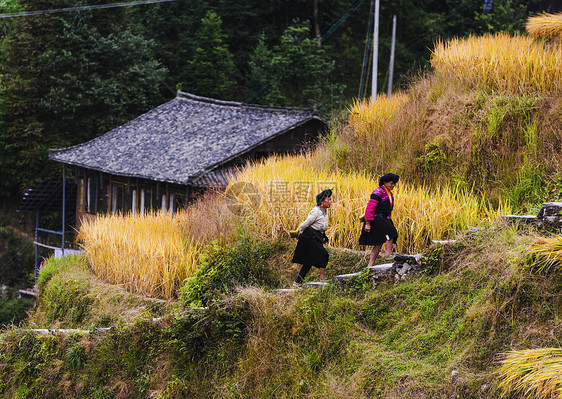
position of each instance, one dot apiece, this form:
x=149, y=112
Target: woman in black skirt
x=310, y=249
x=378, y=228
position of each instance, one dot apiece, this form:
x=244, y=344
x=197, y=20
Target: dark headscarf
x=388, y=177
x=322, y=196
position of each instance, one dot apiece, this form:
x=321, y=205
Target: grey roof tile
x=178, y=141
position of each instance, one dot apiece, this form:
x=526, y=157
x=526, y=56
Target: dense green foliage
x=13, y=311
x=223, y=268
x=16, y=259
x=295, y=72
x=211, y=55
x=66, y=78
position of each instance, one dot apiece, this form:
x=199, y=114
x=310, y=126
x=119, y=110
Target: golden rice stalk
x=369, y=117
x=146, y=254
x=546, y=253
x=545, y=26
x=514, y=64
x=285, y=188
x=535, y=373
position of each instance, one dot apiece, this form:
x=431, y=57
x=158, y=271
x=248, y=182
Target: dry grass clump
x=546, y=253
x=367, y=139
x=288, y=185
x=206, y=219
x=515, y=64
x=501, y=145
x=545, y=26
x=369, y=118
x=145, y=254
x=535, y=373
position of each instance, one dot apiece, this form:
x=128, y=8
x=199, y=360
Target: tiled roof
x=183, y=138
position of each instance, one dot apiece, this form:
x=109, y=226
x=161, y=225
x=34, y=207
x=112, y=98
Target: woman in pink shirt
x=378, y=228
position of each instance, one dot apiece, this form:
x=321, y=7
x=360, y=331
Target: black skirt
x=310, y=249
x=382, y=230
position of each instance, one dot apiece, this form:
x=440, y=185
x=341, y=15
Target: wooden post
x=109, y=201
x=63, y=205
x=142, y=201
x=163, y=204
x=171, y=208
x=134, y=202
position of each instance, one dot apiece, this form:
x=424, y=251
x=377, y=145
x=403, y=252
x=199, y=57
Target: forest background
x=66, y=78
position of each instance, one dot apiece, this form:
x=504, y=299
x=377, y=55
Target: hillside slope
x=438, y=335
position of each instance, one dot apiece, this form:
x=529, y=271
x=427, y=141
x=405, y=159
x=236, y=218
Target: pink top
x=380, y=204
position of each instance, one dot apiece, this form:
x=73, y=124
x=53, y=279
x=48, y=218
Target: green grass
x=476, y=301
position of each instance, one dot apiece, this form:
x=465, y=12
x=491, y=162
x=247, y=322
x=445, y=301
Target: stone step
x=380, y=270
x=525, y=219
x=315, y=284
x=345, y=277
x=29, y=293
x=411, y=259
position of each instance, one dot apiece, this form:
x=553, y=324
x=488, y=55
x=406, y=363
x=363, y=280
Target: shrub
x=223, y=268
x=16, y=258
x=67, y=299
x=12, y=311
x=545, y=254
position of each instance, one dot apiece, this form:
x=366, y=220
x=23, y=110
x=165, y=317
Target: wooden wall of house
x=101, y=193
x=297, y=139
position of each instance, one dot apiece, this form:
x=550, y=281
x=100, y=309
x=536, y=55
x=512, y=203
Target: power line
x=341, y=21
x=58, y=10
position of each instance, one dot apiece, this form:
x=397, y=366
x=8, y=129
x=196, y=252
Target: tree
x=66, y=78
x=296, y=72
x=211, y=72
x=97, y=79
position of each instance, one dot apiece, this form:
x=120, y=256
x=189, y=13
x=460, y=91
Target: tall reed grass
x=535, y=373
x=146, y=254
x=369, y=118
x=546, y=253
x=367, y=135
x=545, y=26
x=515, y=64
x=421, y=213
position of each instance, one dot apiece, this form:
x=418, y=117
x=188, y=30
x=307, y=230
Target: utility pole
x=391, y=66
x=375, y=51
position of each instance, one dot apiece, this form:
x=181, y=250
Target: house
x=159, y=160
